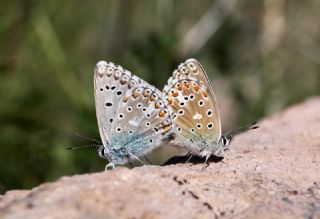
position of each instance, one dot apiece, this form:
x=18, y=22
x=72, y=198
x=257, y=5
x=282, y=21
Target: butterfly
x=195, y=114
x=132, y=115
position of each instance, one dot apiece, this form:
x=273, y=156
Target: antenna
x=241, y=129
x=85, y=137
x=83, y=146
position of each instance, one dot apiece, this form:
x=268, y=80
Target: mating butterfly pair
x=134, y=117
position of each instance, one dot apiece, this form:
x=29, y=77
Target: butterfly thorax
x=123, y=147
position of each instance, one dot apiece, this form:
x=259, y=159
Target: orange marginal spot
x=152, y=98
x=146, y=94
x=156, y=105
x=187, y=85
x=196, y=87
x=166, y=127
x=162, y=113
x=204, y=94
x=175, y=94
x=179, y=87
x=125, y=99
x=136, y=94
x=170, y=101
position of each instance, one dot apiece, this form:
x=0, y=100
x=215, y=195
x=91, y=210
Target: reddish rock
x=274, y=172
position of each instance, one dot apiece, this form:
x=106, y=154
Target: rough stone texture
x=274, y=172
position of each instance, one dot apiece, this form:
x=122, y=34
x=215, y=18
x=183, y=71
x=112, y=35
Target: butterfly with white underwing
x=195, y=113
x=132, y=115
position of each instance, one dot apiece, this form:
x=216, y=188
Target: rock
x=274, y=172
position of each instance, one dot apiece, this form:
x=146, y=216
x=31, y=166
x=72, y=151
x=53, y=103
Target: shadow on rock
x=194, y=159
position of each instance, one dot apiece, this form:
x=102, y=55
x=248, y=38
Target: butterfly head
x=206, y=148
x=114, y=155
x=102, y=152
x=216, y=148
x=225, y=140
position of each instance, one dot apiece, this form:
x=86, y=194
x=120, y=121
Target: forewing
x=142, y=113
x=111, y=83
x=131, y=114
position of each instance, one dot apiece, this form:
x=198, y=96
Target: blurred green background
x=261, y=56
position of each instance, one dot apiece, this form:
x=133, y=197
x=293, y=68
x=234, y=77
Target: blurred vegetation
x=261, y=56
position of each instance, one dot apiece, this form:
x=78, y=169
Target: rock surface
x=274, y=172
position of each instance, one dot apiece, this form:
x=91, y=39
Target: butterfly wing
x=111, y=82
x=132, y=116
x=194, y=107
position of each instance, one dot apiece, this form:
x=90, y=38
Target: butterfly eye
x=101, y=152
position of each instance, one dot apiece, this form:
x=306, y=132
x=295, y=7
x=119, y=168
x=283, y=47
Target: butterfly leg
x=110, y=166
x=206, y=164
x=227, y=148
x=135, y=157
x=189, y=158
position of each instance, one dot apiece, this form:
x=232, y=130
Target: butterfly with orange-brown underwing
x=132, y=115
x=195, y=114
